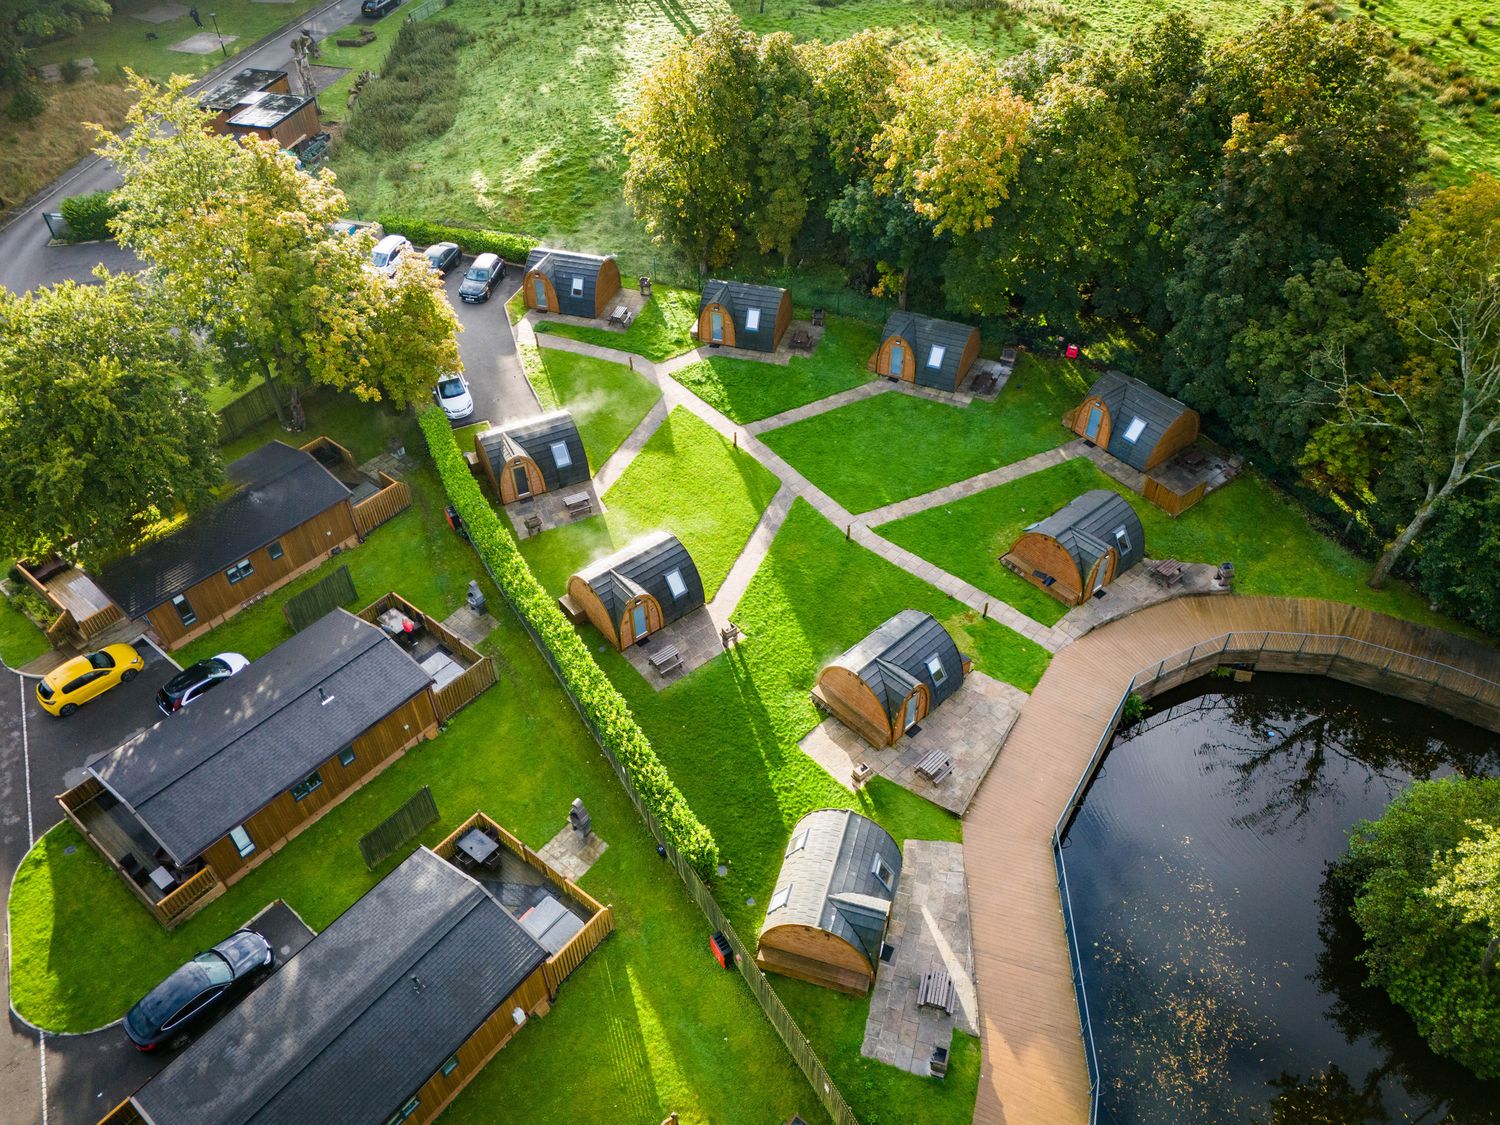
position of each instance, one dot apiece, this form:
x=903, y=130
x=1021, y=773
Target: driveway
x=487, y=347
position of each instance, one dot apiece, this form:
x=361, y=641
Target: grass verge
x=607, y=400
x=659, y=331
x=20, y=640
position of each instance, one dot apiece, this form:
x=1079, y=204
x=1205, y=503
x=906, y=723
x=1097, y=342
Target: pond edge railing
x=1150, y=676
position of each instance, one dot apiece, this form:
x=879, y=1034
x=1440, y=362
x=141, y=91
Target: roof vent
x=416, y=984
x=324, y=699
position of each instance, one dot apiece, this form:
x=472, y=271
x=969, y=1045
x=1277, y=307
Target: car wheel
x=66, y=709
x=127, y=676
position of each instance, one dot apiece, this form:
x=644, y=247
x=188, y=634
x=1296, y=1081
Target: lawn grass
x=747, y=391
x=894, y=446
x=659, y=331
x=20, y=640
x=1274, y=549
x=34, y=153
x=688, y=480
x=607, y=400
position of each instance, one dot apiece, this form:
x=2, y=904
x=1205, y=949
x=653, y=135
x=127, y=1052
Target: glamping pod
x=891, y=680
x=738, y=315
x=1133, y=422
x=1081, y=548
x=570, y=284
x=826, y=919
x=526, y=459
x=927, y=352
x=638, y=590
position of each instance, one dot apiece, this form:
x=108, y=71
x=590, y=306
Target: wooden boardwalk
x=1034, y=1071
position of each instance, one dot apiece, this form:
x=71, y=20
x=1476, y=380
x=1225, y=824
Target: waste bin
x=718, y=945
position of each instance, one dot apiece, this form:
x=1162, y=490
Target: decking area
x=1035, y=1069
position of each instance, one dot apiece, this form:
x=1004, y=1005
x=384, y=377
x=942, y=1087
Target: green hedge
x=88, y=216
x=511, y=247
x=601, y=701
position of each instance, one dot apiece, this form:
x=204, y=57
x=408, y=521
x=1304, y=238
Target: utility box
x=718, y=945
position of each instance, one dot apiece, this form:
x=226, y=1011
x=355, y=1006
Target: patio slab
x=930, y=930
x=697, y=640
x=570, y=853
x=630, y=298
x=204, y=43
x=969, y=727
x=471, y=627
x=550, y=509
x=1134, y=590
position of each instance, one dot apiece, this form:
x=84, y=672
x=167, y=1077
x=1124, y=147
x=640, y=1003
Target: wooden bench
x=578, y=504
x=666, y=659
x=935, y=766
x=937, y=991
x=1168, y=572
x=801, y=341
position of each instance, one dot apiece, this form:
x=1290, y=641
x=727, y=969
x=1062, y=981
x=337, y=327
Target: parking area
x=488, y=349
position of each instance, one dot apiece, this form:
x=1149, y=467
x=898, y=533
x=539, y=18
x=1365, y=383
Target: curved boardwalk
x=1034, y=1071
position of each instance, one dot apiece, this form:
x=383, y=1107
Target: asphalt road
x=487, y=347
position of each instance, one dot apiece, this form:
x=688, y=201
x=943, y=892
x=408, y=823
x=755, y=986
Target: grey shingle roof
x=922, y=333
x=1086, y=528
x=1129, y=398
x=196, y=774
x=892, y=659
x=268, y=111
x=535, y=437
x=831, y=881
x=233, y=90
x=356, y=1022
x=280, y=488
x=739, y=298
x=643, y=565
x=562, y=267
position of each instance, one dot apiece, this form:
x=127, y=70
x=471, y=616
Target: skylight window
x=935, y=357
x=560, y=455
x=1136, y=428
x=779, y=898
x=676, y=584
x=882, y=871
x=1122, y=539
x=799, y=841
x=935, y=667
x=578, y=287
x=752, y=320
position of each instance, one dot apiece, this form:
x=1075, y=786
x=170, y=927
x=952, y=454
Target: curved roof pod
x=571, y=284
x=1081, y=547
x=548, y=450
x=740, y=315
x=928, y=352
x=646, y=585
x=1133, y=422
x=827, y=916
x=893, y=678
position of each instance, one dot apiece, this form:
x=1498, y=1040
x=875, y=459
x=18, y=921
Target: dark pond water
x=1221, y=975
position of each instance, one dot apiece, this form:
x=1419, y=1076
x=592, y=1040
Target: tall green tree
x=1433, y=419
x=784, y=139
x=103, y=417
x=247, y=245
x=1469, y=882
x=884, y=229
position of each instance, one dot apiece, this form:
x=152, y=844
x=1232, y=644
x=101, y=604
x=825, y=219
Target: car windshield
x=381, y=258
x=477, y=274
x=213, y=666
x=215, y=967
x=101, y=660
x=451, y=388
x=437, y=253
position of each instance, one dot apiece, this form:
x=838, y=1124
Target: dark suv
x=377, y=8
x=196, y=679
x=205, y=986
x=481, y=279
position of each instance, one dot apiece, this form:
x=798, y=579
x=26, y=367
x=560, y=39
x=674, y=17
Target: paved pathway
x=822, y=406
x=963, y=488
x=754, y=553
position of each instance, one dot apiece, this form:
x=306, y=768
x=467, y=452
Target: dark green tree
x=884, y=230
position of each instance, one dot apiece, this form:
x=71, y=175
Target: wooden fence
x=417, y=813
x=479, y=672
x=65, y=626
x=246, y=412
x=327, y=444
x=393, y=498
x=1174, y=504
x=187, y=898
x=123, y=1114
x=561, y=964
x=320, y=599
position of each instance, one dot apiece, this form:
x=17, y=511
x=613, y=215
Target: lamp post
x=219, y=33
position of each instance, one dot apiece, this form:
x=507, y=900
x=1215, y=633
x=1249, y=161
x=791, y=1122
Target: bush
x=511, y=247
x=1417, y=948
x=602, y=703
x=27, y=103
x=418, y=93
x=88, y=216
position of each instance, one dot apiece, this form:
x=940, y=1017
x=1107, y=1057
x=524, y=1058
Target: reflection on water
x=1219, y=959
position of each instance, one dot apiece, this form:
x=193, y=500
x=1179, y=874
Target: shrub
x=1417, y=947
x=511, y=247
x=417, y=94
x=88, y=216
x=27, y=103
x=601, y=702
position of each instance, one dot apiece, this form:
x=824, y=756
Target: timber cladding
x=647, y=584
x=926, y=351
x=854, y=702
x=1133, y=422
x=740, y=315
x=582, y=285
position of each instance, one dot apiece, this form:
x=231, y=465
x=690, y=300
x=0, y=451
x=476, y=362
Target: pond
x=1220, y=972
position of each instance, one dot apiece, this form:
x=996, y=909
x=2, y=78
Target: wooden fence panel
x=419, y=811
x=1169, y=501
x=453, y=696
x=386, y=504
x=246, y=412
x=561, y=964
x=321, y=598
x=177, y=905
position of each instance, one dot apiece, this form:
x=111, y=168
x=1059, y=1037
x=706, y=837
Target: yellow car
x=82, y=678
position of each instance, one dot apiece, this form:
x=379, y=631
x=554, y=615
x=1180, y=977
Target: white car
x=453, y=396
x=387, y=253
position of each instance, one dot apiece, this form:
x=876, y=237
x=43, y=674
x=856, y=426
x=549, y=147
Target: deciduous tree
x=1470, y=884
x=784, y=137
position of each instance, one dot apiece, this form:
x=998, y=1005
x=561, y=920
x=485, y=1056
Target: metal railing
x=1237, y=647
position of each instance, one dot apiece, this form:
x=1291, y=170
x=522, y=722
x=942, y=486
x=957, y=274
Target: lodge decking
x=1034, y=1069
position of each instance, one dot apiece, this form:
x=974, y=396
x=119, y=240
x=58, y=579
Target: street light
x=219, y=33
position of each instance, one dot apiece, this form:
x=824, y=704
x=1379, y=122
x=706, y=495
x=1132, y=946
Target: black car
x=377, y=8
x=443, y=256
x=208, y=984
x=481, y=279
x=196, y=679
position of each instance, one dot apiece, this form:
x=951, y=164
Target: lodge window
x=560, y=455
x=799, y=841
x=239, y=572
x=1122, y=539
x=1136, y=428
x=242, y=842
x=184, y=609
x=779, y=898
x=935, y=357
x=404, y=1112
x=752, y=320
x=450, y=1066
x=346, y=756
x=882, y=871
x=311, y=784
x=275, y=551
x=936, y=669
x=578, y=287
x=676, y=584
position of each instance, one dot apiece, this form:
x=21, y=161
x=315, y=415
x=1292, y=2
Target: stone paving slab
x=471, y=627
x=822, y=406
x=551, y=509
x=930, y=930
x=750, y=557
x=697, y=640
x=570, y=853
x=630, y=298
x=970, y=727
x=1134, y=590
x=204, y=43
x=959, y=490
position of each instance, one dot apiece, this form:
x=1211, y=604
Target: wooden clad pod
x=816, y=956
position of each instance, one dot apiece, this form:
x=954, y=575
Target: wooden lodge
x=1081, y=548
x=396, y=1006
x=287, y=119
x=826, y=919
x=889, y=682
x=739, y=315
x=528, y=458
x=226, y=98
x=927, y=352
x=558, y=281
x=638, y=590
x=192, y=804
x=1133, y=422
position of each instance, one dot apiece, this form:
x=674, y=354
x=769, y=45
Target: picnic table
x=935, y=766
x=801, y=341
x=1168, y=572
x=937, y=991
x=620, y=316
x=666, y=659
x=578, y=504
x=478, y=847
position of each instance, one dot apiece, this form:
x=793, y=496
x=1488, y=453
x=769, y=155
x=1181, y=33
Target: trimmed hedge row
x=511, y=247
x=88, y=216
x=601, y=701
